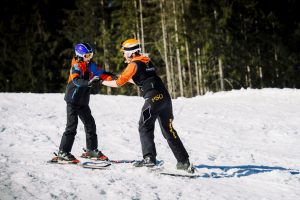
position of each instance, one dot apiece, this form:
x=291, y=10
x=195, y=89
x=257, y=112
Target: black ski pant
x=158, y=105
x=84, y=113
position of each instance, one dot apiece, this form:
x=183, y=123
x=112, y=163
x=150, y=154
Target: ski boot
x=64, y=158
x=94, y=155
x=146, y=162
x=186, y=166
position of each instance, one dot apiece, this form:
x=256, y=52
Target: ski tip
x=53, y=160
x=75, y=161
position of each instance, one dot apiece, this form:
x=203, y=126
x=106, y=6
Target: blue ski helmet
x=83, y=48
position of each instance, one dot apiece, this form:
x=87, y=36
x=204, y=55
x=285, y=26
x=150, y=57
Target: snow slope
x=245, y=143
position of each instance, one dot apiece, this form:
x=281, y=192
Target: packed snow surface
x=244, y=144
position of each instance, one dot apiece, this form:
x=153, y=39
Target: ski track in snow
x=244, y=144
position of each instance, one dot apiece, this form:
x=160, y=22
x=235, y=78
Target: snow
x=245, y=143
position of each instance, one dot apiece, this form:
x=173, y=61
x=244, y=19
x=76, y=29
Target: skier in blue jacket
x=84, y=74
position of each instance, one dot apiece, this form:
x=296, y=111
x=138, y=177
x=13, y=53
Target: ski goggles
x=88, y=56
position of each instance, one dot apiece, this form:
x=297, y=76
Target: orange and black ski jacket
x=77, y=90
x=142, y=71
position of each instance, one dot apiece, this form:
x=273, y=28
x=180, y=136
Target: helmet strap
x=136, y=53
x=79, y=59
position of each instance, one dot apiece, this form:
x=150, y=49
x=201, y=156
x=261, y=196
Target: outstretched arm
x=110, y=83
x=114, y=83
x=131, y=81
x=125, y=77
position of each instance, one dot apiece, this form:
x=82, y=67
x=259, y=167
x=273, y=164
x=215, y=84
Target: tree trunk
x=248, y=77
x=172, y=75
x=142, y=26
x=201, y=78
x=137, y=34
x=163, y=27
x=260, y=69
x=137, y=21
x=190, y=85
x=261, y=76
x=221, y=74
x=107, y=68
x=177, y=52
x=197, y=75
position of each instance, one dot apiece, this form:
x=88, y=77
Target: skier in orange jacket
x=158, y=105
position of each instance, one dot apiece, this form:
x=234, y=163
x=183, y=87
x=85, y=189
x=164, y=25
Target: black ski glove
x=95, y=81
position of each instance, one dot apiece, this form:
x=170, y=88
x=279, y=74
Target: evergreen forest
x=197, y=46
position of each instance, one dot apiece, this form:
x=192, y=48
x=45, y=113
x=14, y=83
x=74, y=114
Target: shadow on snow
x=239, y=171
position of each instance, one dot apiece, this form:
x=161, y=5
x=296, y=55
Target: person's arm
x=131, y=81
x=112, y=83
x=125, y=77
x=75, y=77
x=108, y=76
x=99, y=71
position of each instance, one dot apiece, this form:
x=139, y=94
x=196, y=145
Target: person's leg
x=68, y=137
x=91, y=135
x=88, y=121
x=165, y=119
x=146, y=130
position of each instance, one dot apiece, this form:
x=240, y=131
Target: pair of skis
x=93, y=164
x=105, y=164
x=158, y=168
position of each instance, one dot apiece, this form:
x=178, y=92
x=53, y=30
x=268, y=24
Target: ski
x=92, y=164
x=63, y=162
x=102, y=164
x=175, y=174
x=159, y=166
x=55, y=160
x=95, y=165
x=188, y=173
x=98, y=164
x=121, y=161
